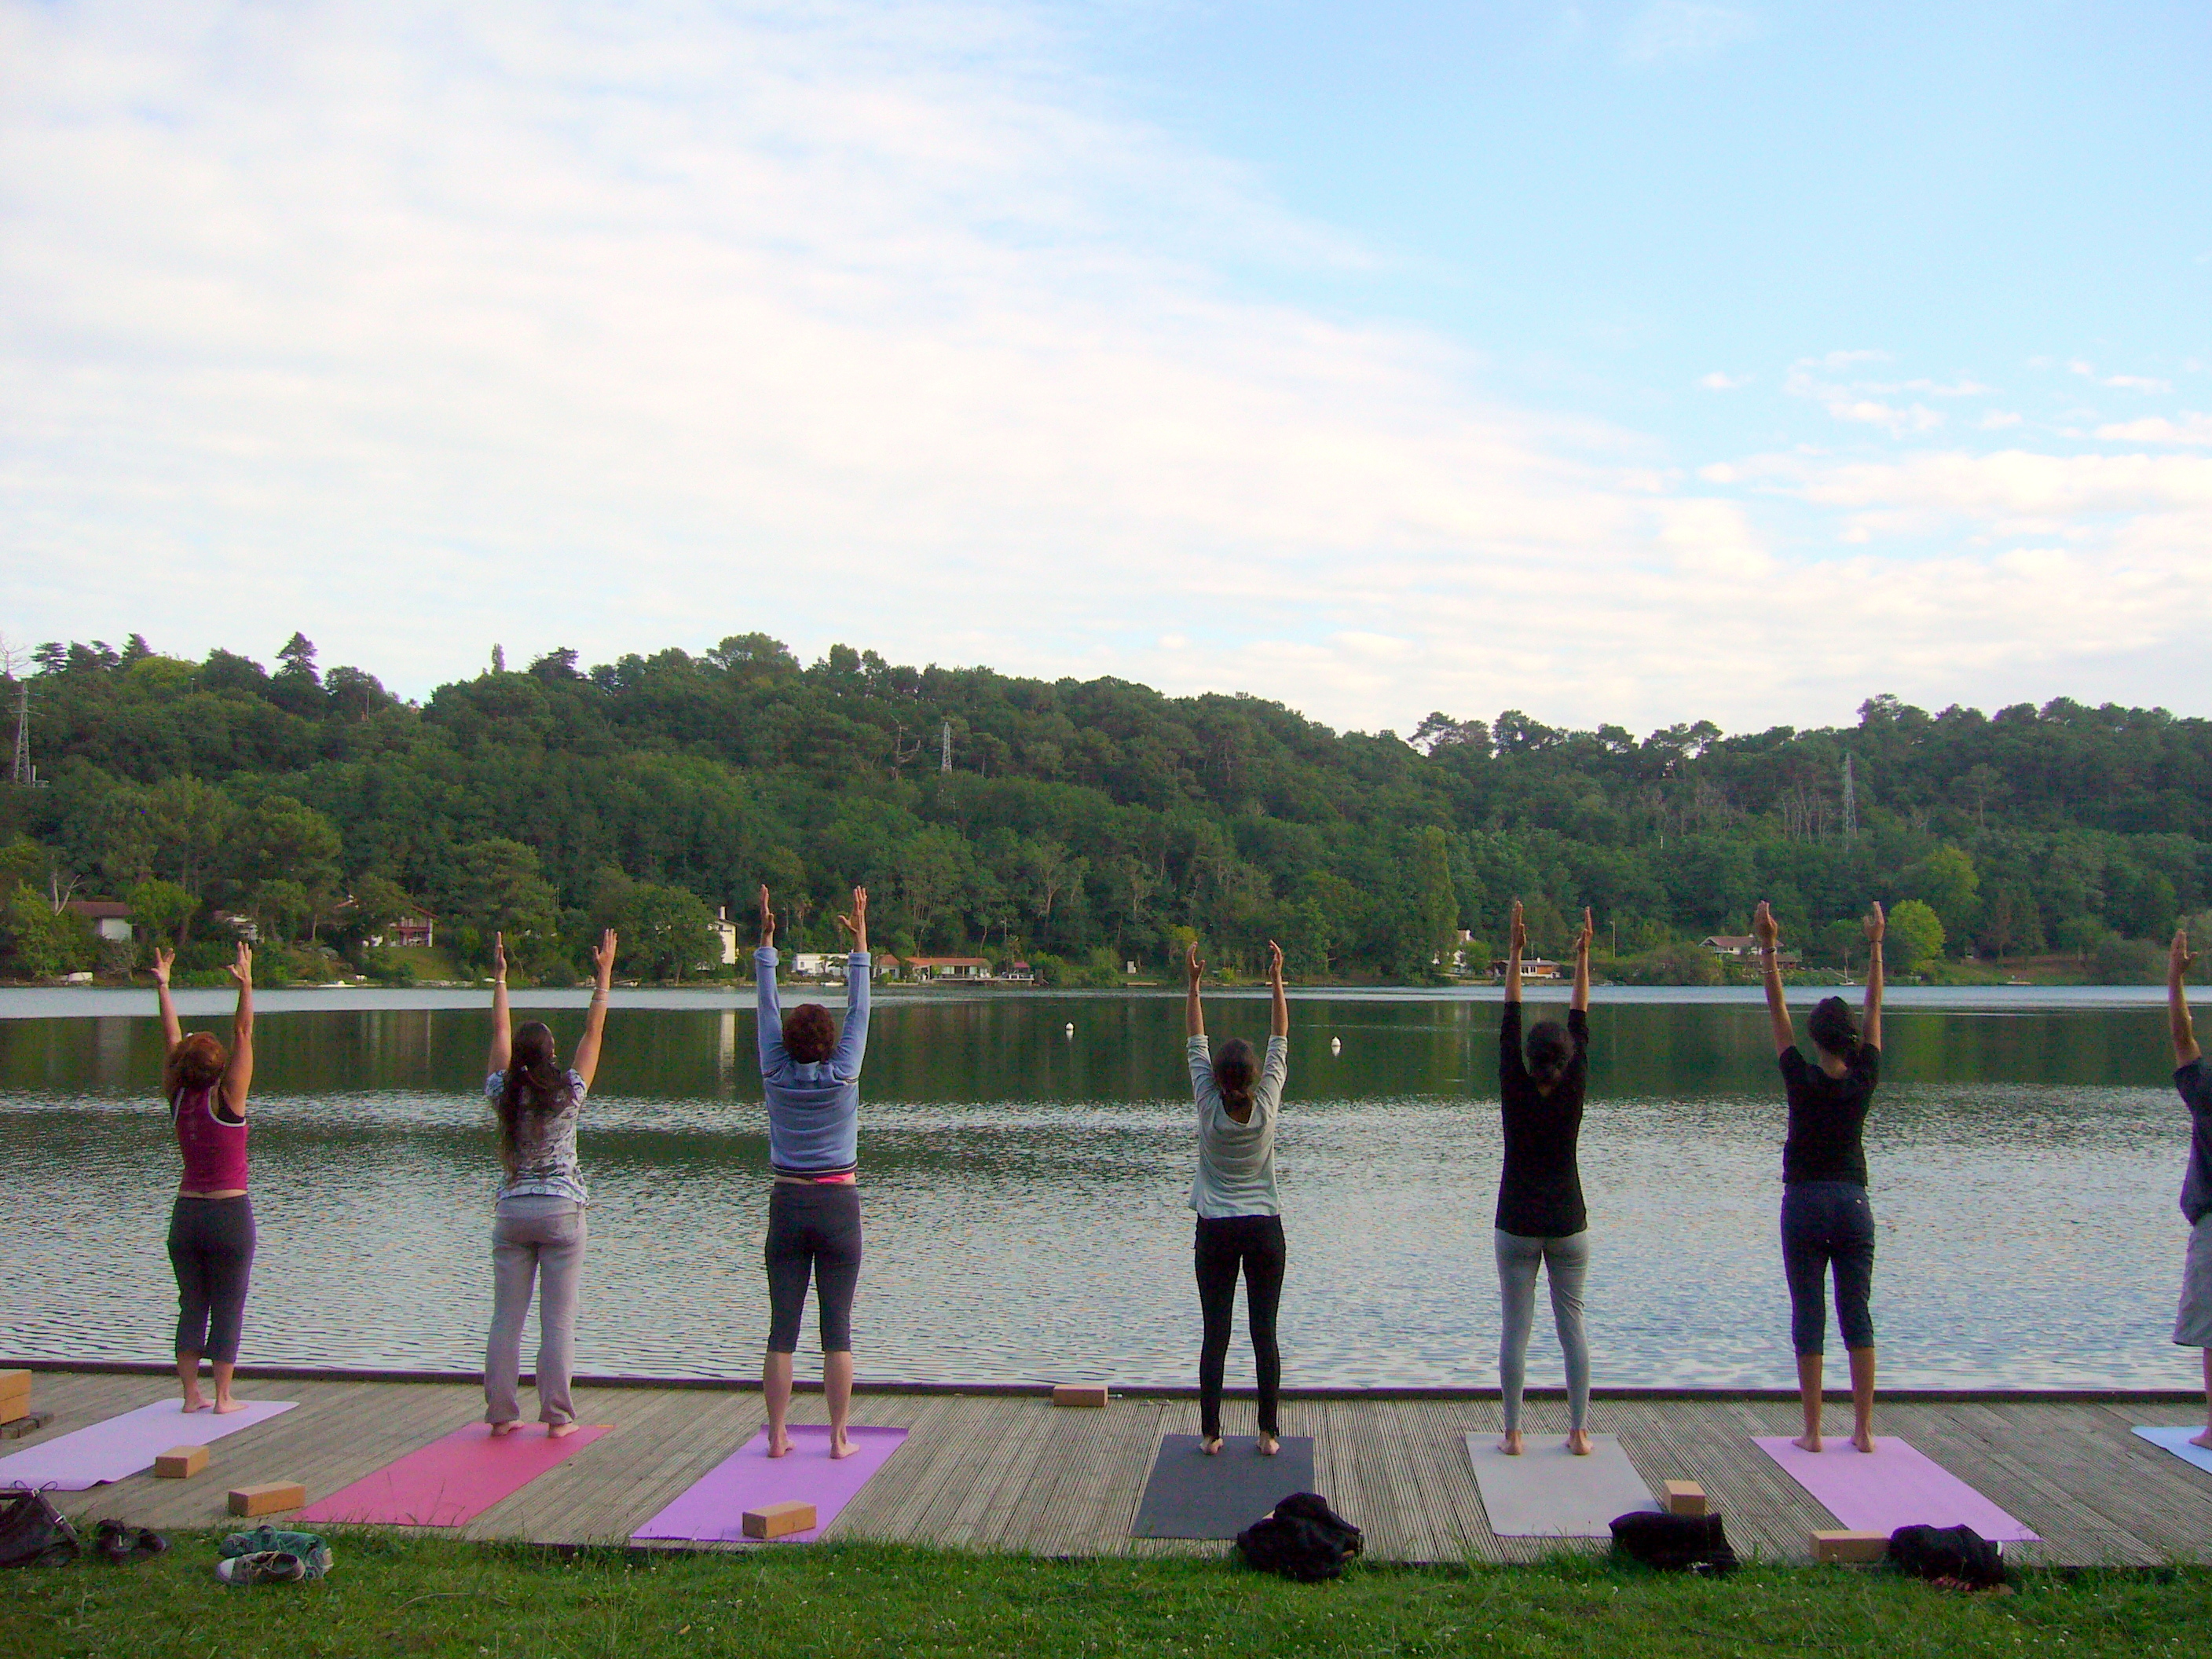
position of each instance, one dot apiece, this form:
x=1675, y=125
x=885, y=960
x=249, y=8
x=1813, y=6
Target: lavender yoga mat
x=453, y=1479
x=714, y=1508
x=1896, y=1486
x=2177, y=1441
x=121, y=1446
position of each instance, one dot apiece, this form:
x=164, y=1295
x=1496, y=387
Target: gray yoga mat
x=1191, y=1495
x=1549, y=1492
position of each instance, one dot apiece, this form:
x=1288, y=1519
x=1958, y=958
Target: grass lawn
x=395, y=1596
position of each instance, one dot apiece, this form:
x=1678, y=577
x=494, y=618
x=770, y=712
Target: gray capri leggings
x=1566, y=1261
x=212, y=1249
x=812, y=1228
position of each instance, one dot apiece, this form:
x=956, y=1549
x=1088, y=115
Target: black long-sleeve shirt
x=1540, y=1190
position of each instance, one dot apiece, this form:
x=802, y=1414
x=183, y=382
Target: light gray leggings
x=543, y=1239
x=1566, y=1261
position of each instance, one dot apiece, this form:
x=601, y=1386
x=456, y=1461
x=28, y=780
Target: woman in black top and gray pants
x=1541, y=1223
x=1826, y=1217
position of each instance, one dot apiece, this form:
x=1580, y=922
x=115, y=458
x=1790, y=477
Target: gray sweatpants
x=539, y=1239
x=1566, y=1261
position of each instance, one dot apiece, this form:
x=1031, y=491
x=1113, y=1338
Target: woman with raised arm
x=2192, y=1324
x=811, y=1073
x=212, y=1224
x=539, y=1230
x=1542, y=1222
x=1240, y=1218
x=1826, y=1218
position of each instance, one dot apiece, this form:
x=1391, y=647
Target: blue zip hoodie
x=813, y=1109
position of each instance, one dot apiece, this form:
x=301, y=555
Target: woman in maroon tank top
x=212, y=1224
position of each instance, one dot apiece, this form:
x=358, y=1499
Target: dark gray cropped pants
x=1827, y=1223
x=813, y=1231
x=212, y=1249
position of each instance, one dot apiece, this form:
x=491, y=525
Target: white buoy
x=1336, y=1045
x=1071, y=1028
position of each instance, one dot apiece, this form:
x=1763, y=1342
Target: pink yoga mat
x=452, y=1480
x=1894, y=1486
x=714, y=1508
x=121, y=1446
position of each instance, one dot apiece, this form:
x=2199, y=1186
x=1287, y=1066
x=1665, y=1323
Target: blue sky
x=1638, y=362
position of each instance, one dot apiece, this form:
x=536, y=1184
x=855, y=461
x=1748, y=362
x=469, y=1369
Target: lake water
x=1024, y=1189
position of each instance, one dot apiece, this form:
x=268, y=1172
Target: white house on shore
x=110, y=918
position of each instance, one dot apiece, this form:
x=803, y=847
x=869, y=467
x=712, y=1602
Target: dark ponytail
x=1234, y=1070
x=1551, y=1051
x=1834, y=1029
x=534, y=1084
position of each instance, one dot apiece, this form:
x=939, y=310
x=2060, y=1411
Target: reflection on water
x=1025, y=1191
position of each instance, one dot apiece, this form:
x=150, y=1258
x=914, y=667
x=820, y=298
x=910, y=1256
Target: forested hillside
x=1080, y=824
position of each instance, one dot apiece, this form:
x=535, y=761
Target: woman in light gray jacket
x=1240, y=1223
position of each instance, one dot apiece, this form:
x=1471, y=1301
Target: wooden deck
x=998, y=1472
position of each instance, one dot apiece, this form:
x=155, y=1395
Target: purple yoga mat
x=1895, y=1486
x=714, y=1506
x=121, y=1446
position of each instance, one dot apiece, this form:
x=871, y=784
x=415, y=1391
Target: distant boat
x=1336, y=1045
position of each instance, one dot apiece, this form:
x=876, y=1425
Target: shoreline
x=1345, y=1392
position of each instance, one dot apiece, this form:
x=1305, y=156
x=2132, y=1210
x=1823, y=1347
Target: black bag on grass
x=1675, y=1543
x=33, y=1532
x=1303, y=1539
x=1959, y=1552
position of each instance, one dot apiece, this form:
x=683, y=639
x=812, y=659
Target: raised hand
x=767, y=920
x=1764, y=928
x=603, y=958
x=1195, y=967
x=1517, y=932
x=2178, y=961
x=1590, y=931
x=499, y=957
x=856, y=922
x=1876, y=924
x=163, y=961
x=1275, y=964
x=242, y=968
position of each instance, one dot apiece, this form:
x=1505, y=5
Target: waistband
x=195, y=1198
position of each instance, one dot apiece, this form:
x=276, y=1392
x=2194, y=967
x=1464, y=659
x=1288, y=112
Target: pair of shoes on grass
x=271, y=1555
x=113, y=1542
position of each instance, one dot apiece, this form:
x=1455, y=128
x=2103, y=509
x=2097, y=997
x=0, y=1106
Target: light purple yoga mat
x=1896, y=1486
x=122, y=1446
x=714, y=1507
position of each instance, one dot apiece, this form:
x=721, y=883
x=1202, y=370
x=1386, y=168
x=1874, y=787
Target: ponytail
x=534, y=1084
x=1235, y=1069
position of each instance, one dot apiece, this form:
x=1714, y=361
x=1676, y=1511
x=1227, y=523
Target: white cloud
x=1997, y=419
x=873, y=323
x=1685, y=31
x=2122, y=382
x=1718, y=381
x=2191, y=429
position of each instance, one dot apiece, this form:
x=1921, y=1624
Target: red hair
x=198, y=1062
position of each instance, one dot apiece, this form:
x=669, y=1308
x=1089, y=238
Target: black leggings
x=211, y=1248
x=812, y=1228
x=1825, y=1222
x=1225, y=1243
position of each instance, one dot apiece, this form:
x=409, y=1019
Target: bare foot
x=1578, y=1442
x=2203, y=1439
x=1211, y=1445
x=224, y=1408
x=560, y=1430
x=1810, y=1443
x=839, y=1445
x=1268, y=1444
x=779, y=1444
x=195, y=1402
x=501, y=1431
x=1510, y=1445
x=1863, y=1439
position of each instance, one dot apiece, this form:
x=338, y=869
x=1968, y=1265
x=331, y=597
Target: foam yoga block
x=268, y=1498
x=1859, y=1546
x=1683, y=1497
x=15, y=1395
x=180, y=1463
x=1079, y=1393
x=778, y=1520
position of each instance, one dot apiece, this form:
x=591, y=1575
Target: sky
x=1636, y=363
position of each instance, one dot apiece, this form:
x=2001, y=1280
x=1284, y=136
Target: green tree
x=1436, y=902
x=37, y=941
x=1947, y=881
x=281, y=841
x=666, y=933
x=501, y=889
x=191, y=823
x=1915, y=934
x=161, y=912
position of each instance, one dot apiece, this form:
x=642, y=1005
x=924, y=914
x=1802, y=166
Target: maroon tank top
x=214, y=1152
